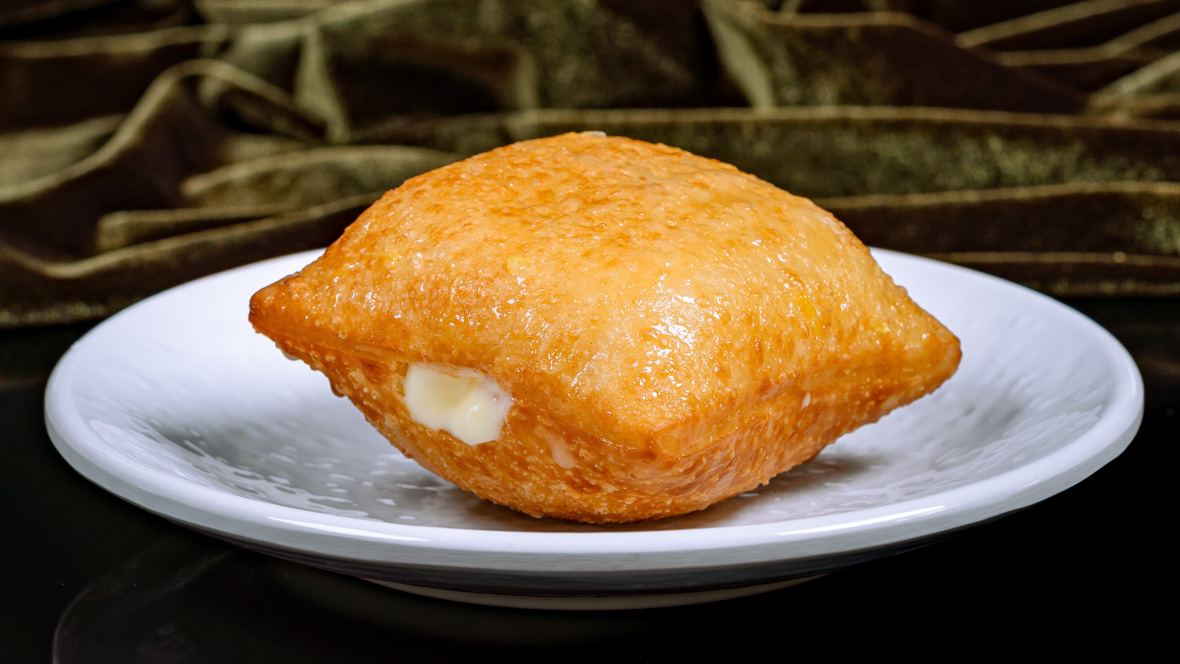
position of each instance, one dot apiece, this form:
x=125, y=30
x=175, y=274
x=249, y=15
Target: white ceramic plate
x=178, y=406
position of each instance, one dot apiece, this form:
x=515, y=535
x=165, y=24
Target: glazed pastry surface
x=670, y=331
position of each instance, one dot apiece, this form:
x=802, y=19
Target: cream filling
x=468, y=405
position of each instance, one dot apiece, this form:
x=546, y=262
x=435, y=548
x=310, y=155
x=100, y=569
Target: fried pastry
x=601, y=329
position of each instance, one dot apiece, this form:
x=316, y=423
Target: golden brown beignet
x=671, y=331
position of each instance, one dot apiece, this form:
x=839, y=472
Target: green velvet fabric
x=147, y=142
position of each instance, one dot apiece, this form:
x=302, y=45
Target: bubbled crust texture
x=673, y=331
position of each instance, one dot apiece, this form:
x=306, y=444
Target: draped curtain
x=144, y=143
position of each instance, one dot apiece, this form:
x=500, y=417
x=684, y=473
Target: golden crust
x=673, y=331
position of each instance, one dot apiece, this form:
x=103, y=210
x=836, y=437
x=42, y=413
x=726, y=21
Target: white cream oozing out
x=468, y=405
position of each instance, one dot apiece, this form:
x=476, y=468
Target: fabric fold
x=146, y=143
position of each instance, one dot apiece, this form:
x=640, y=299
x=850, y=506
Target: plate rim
x=299, y=529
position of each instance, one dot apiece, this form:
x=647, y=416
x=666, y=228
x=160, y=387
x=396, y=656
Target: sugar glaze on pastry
x=646, y=331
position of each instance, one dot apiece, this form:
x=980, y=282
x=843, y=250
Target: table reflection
x=191, y=598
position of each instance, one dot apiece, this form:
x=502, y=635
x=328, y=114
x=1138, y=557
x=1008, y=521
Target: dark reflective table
x=89, y=578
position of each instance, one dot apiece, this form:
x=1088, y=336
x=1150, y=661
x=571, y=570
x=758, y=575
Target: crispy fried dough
x=672, y=331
